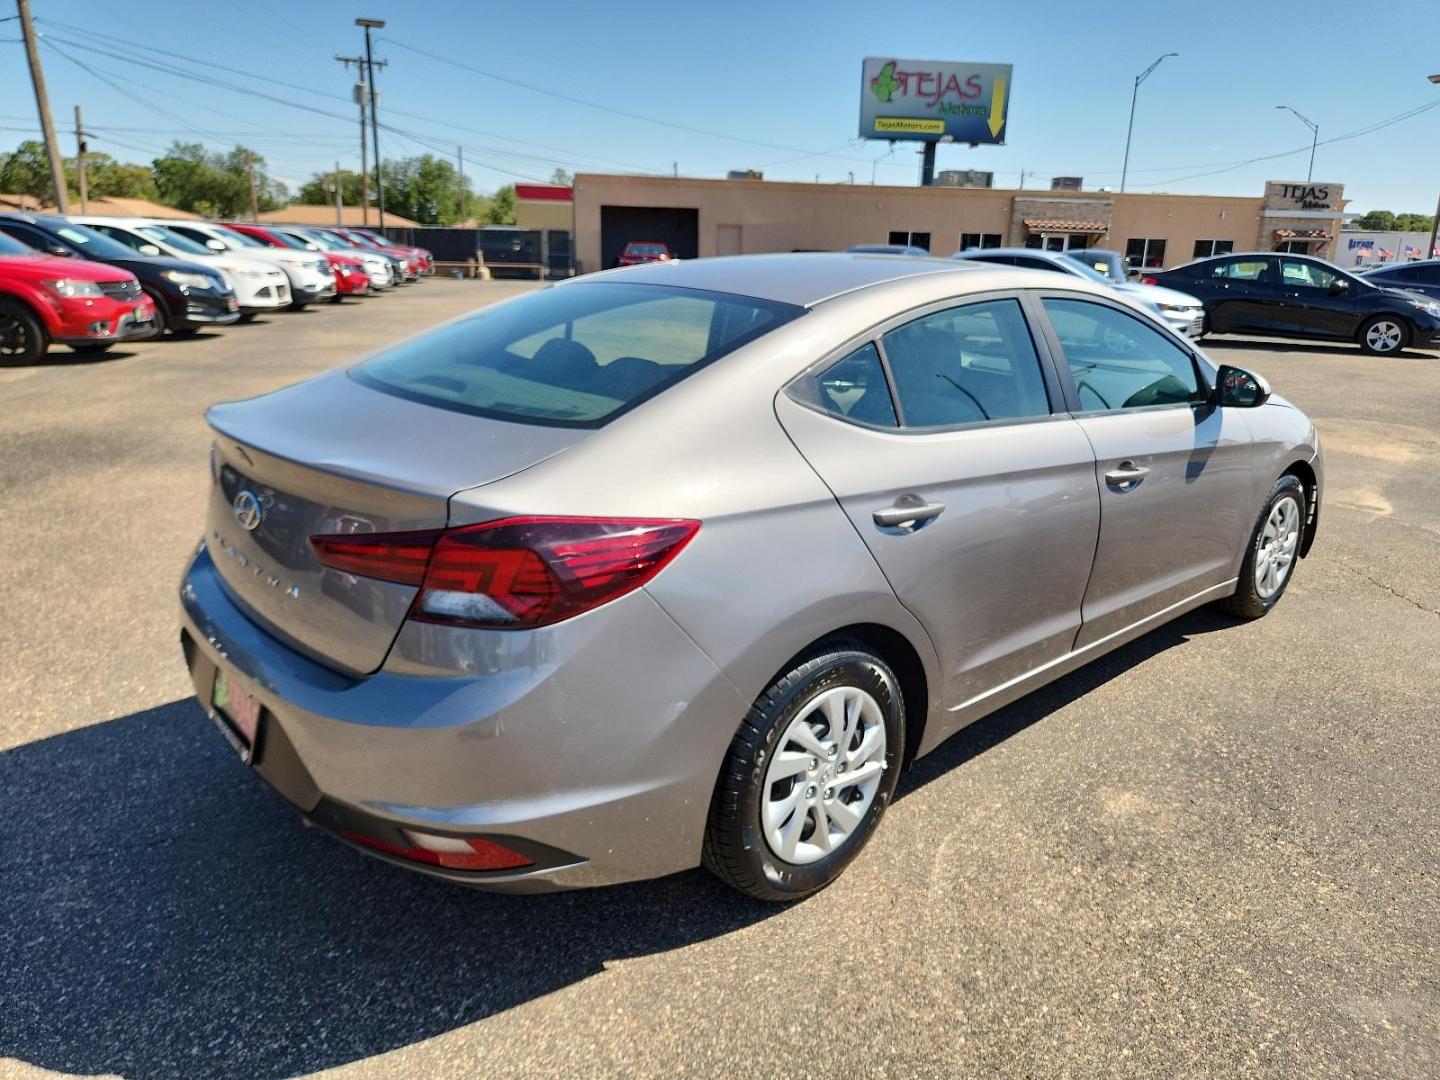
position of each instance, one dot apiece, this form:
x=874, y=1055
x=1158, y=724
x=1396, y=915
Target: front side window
x=855, y=389
x=574, y=355
x=1117, y=361
x=97, y=245
x=1299, y=274
x=1148, y=253
x=965, y=365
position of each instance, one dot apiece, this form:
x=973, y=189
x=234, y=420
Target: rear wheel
x=22, y=336
x=1274, y=547
x=808, y=775
x=1384, y=335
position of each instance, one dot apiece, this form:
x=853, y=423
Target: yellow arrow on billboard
x=997, y=106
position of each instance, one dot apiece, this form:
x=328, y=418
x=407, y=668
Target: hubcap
x=1278, y=543
x=13, y=338
x=1383, y=336
x=826, y=770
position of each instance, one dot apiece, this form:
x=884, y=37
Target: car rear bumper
x=551, y=745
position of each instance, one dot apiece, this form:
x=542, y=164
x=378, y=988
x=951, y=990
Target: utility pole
x=1314, y=137
x=42, y=103
x=460, y=157
x=1135, y=93
x=362, y=95
x=339, y=197
x=369, y=25
x=80, y=159
x=250, y=171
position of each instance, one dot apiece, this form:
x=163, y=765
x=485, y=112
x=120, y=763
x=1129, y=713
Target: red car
x=86, y=305
x=349, y=272
x=644, y=251
x=408, y=256
x=427, y=260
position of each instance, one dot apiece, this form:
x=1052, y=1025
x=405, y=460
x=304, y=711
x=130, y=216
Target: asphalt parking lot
x=1215, y=852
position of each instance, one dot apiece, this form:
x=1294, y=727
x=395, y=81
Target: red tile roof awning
x=1302, y=234
x=544, y=192
x=1048, y=225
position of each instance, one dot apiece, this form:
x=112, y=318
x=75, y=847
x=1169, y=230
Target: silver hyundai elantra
x=683, y=563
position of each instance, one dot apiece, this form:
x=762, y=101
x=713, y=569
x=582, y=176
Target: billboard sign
x=926, y=100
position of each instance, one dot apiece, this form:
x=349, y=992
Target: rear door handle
x=908, y=510
x=1126, y=475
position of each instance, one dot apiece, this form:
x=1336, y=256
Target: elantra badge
x=248, y=511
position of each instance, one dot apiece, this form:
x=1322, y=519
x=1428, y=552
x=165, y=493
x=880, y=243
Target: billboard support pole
x=927, y=164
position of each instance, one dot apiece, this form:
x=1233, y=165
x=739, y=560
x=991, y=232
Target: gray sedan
x=684, y=563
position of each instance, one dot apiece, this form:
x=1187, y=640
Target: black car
x=1422, y=276
x=187, y=295
x=1275, y=294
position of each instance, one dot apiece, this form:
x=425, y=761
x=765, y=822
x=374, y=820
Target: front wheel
x=1384, y=335
x=808, y=775
x=22, y=336
x=1274, y=546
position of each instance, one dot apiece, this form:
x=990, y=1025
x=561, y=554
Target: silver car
x=1183, y=313
x=684, y=563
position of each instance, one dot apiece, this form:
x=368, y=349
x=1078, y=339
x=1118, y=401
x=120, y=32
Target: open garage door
x=676, y=228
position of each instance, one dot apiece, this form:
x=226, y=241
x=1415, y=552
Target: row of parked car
x=1263, y=293
x=91, y=282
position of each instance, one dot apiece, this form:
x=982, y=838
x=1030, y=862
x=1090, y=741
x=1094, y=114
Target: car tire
x=247, y=316
x=23, y=339
x=1384, y=335
x=299, y=305
x=1273, y=550
x=162, y=317
x=766, y=769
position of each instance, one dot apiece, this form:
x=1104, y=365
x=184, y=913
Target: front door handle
x=1126, y=475
x=909, y=510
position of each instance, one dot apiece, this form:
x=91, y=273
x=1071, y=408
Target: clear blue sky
x=783, y=75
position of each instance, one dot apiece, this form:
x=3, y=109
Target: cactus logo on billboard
x=926, y=100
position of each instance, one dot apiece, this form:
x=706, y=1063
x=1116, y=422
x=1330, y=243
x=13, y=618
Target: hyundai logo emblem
x=248, y=511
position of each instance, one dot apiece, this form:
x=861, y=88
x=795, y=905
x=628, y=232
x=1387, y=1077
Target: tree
x=319, y=190
x=1386, y=221
x=26, y=171
x=1377, y=221
x=501, y=210
x=104, y=176
x=560, y=176
x=425, y=189
x=214, y=184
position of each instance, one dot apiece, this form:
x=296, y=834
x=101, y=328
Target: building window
x=914, y=239
x=970, y=240
x=1204, y=249
x=1147, y=253
x=1294, y=247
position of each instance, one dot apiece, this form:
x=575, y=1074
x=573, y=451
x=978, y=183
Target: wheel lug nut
x=841, y=767
x=832, y=751
x=829, y=793
x=814, y=763
x=810, y=792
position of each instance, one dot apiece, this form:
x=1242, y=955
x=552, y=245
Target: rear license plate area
x=238, y=707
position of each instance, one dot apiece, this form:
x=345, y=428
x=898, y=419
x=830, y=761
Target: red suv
x=349, y=272
x=86, y=305
x=409, y=257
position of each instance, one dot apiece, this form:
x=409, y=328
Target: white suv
x=309, y=274
x=259, y=285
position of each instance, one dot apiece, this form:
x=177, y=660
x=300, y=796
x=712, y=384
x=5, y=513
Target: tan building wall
x=544, y=214
x=749, y=216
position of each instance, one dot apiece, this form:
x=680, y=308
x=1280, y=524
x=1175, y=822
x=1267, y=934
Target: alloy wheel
x=1278, y=544
x=1384, y=336
x=14, y=337
x=824, y=775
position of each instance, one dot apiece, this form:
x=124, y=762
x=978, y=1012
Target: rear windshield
x=574, y=355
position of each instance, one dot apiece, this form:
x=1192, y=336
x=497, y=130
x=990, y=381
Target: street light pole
x=1435, y=226
x=1314, y=138
x=1130, y=132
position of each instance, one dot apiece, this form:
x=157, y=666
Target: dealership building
x=699, y=218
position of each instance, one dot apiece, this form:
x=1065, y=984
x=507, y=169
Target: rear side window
x=572, y=356
x=855, y=389
x=967, y=364
x=1240, y=269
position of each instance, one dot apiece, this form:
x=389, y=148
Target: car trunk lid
x=332, y=456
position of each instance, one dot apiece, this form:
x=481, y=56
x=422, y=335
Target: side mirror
x=148, y=249
x=214, y=245
x=60, y=250
x=1339, y=287
x=1237, y=388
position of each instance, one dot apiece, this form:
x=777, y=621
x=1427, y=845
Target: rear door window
x=966, y=365
x=574, y=355
x=1241, y=269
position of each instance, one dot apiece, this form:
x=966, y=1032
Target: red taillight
x=515, y=573
x=451, y=852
